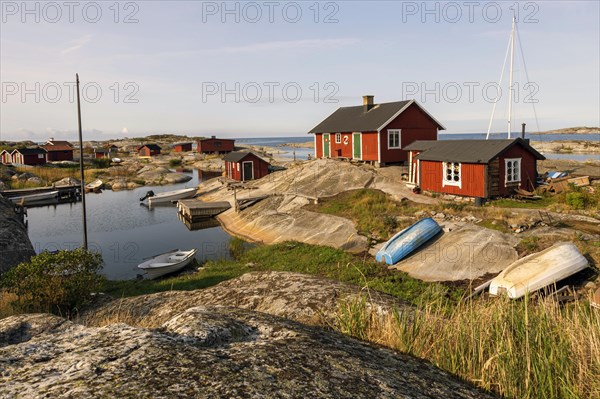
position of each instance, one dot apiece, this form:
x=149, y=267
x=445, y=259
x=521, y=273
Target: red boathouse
x=29, y=156
x=213, y=144
x=245, y=165
x=374, y=133
x=58, y=150
x=473, y=168
x=148, y=150
x=182, y=147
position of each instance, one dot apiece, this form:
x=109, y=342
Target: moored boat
x=94, y=186
x=166, y=263
x=29, y=199
x=405, y=242
x=169, y=196
x=539, y=270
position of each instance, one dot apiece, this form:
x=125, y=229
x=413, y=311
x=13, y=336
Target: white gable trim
x=411, y=102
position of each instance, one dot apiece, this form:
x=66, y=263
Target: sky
x=277, y=68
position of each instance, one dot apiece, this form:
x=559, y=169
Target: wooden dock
x=195, y=209
x=66, y=193
x=199, y=224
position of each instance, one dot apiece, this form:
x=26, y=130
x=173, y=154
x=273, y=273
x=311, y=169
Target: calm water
x=302, y=153
x=124, y=231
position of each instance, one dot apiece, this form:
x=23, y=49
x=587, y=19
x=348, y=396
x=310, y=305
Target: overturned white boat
x=169, y=196
x=167, y=263
x=94, y=186
x=539, y=270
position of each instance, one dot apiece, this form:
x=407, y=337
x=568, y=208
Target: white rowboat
x=95, y=185
x=539, y=270
x=171, y=195
x=35, y=198
x=167, y=263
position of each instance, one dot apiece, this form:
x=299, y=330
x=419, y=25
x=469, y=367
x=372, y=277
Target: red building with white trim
x=148, y=150
x=374, y=133
x=473, y=168
x=245, y=165
x=5, y=157
x=29, y=156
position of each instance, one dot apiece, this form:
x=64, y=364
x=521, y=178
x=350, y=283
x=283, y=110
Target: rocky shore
x=191, y=348
x=15, y=246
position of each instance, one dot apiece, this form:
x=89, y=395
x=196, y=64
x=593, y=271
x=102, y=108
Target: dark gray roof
x=101, y=150
x=25, y=151
x=183, y=143
x=237, y=156
x=470, y=151
x=420, y=145
x=155, y=147
x=355, y=119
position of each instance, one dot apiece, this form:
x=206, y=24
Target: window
x=512, y=167
x=451, y=171
x=40, y=156
x=338, y=138
x=393, y=139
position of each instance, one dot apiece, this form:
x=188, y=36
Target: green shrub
x=174, y=162
x=54, y=282
x=580, y=200
x=238, y=247
x=101, y=163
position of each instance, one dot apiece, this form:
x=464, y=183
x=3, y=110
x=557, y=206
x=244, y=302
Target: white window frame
x=338, y=138
x=394, y=131
x=243, y=176
x=506, y=162
x=446, y=182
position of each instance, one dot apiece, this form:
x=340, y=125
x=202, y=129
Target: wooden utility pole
x=84, y=218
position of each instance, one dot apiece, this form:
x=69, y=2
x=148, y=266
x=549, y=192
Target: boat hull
x=168, y=263
x=408, y=240
x=539, y=270
x=36, y=198
x=172, y=196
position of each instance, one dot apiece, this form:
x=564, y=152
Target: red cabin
x=29, y=156
x=213, y=144
x=5, y=157
x=374, y=133
x=58, y=150
x=473, y=168
x=245, y=165
x=182, y=147
x=148, y=150
x=100, y=153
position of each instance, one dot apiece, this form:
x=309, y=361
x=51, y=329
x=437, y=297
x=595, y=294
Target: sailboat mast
x=510, y=84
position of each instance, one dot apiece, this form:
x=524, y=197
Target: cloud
x=77, y=44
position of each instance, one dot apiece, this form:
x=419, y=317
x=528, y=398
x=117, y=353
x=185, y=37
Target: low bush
x=101, y=163
x=54, y=282
x=174, y=162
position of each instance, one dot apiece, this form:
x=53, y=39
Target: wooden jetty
x=198, y=224
x=194, y=209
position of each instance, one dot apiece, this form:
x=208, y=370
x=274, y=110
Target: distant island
x=573, y=130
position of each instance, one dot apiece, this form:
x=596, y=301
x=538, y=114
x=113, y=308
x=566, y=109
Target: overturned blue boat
x=405, y=242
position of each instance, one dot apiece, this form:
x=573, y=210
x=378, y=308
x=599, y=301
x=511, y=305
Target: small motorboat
x=169, y=196
x=116, y=160
x=48, y=197
x=539, y=270
x=94, y=186
x=166, y=263
x=405, y=242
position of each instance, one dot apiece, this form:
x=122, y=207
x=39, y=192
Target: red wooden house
x=100, y=153
x=148, y=150
x=245, y=165
x=58, y=150
x=374, y=133
x=182, y=147
x=213, y=144
x=5, y=157
x=473, y=168
x=29, y=156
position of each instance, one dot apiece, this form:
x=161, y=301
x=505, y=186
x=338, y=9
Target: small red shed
x=58, y=150
x=5, y=157
x=213, y=144
x=182, y=147
x=29, y=156
x=148, y=150
x=100, y=153
x=473, y=168
x=374, y=133
x=245, y=165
